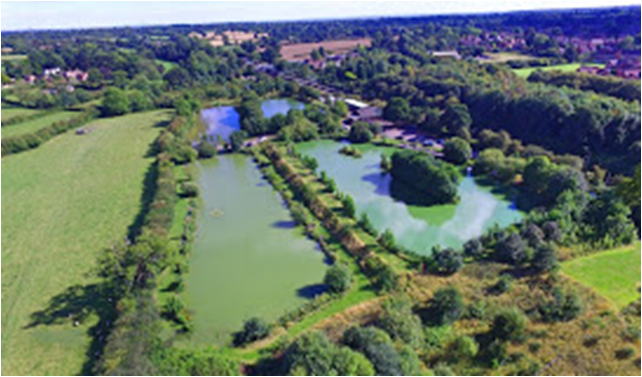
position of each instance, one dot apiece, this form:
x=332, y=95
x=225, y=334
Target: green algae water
x=248, y=258
x=416, y=228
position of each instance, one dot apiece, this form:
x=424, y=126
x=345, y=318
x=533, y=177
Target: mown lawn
x=525, y=72
x=12, y=112
x=34, y=125
x=62, y=203
x=613, y=274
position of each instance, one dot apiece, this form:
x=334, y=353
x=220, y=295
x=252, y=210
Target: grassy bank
x=34, y=125
x=613, y=274
x=63, y=203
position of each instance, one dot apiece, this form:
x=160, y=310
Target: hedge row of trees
x=17, y=144
x=628, y=90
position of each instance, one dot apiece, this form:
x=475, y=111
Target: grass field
x=62, y=203
x=525, y=72
x=12, y=112
x=34, y=125
x=613, y=274
x=166, y=65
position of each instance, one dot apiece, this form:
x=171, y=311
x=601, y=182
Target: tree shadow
x=76, y=305
x=311, y=291
x=380, y=181
x=284, y=224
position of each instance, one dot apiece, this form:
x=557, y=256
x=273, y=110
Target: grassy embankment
x=10, y=112
x=63, y=203
x=34, y=125
x=525, y=72
x=614, y=274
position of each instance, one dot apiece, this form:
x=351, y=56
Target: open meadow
x=33, y=125
x=613, y=274
x=62, y=203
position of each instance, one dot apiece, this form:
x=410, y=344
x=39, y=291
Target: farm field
x=9, y=113
x=301, y=51
x=614, y=274
x=62, y=203
x=525, y=72
x=6, y=58
x=503, y=57
x=34, y=125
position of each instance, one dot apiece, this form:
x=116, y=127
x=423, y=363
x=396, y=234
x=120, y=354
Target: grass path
x=9, y=113
x=613, y=274
x=63, y=203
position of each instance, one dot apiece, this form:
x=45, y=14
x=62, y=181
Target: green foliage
x=360, y=132
x=338, y=278
x=115, y=102
x=189, y=362
x=349, y=207
x=545, y=259
x=206, y=150
x=474, y=249
x=399, y=321
x=314, y=355
x=508, y=325
x=140, y=101
x=366, y=224
x=434, y=181
x=376, y=345
x=189, y=189
x=462, y=348
x=397, y=110
x=511, y=250
x=457, y=151
x=386, y=279
x=447, y=306
x=387, y=240
x=447, y=261
x=457, y=118
x=253, y=329
x=563, y=307
x=237, y=138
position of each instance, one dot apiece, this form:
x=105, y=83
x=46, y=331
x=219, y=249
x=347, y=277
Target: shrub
x=564, y=307
x=625, y=353
x=349, y=207
x=457, y=151
x=338, y=278
x=190, y=190
x=447, y=306
x=463, y=347
x=360, y=133
x=377, y=346
x=253, y=329
x=206, y=150
x=509, y=324
x=511, y=250
x=504, y=284
x=447, y=261
x=364, y=222
x=398, y=320
x=386, y=279
x=545, y=259
x=474, y=249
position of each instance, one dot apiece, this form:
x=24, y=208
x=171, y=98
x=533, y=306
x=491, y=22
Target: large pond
x=416, y=228
x=248, y=259
x=223, y=120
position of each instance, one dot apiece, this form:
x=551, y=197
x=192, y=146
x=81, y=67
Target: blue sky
x=20, y=15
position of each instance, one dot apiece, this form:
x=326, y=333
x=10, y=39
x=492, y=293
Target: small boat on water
x=217, y=213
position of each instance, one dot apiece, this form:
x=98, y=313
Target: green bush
x=338, y=278
x=253, y=329
x=190, y=190
x=206, y=150
x=509, y=324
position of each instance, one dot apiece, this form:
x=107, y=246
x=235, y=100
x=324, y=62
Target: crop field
x=301, y=51
x=6, y=58
x=613, y=274
x=9, y=113
x=525, y=72
x=503, y=57
x=34, y=125
x=62, y=203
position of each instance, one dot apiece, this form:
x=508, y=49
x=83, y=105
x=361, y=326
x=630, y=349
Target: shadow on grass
x=76, y=305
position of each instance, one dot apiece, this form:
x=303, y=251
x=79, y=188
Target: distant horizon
x=239, y=12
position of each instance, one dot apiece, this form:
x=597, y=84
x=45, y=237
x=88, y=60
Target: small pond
x=223, y=120
x=416, y=228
